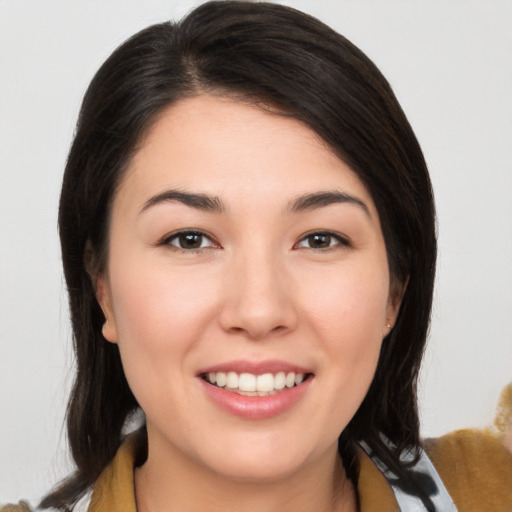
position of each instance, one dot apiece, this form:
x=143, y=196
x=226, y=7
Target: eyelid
x=166, y=240
x=343, y=241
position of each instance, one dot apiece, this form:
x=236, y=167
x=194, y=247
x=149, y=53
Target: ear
x=103, y=296
x=396, y=294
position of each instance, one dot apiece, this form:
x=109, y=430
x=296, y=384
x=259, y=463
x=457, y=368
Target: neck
x=166, y=486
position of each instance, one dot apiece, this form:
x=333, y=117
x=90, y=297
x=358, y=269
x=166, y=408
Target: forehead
x=225, y=147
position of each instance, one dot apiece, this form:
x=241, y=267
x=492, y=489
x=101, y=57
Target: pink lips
x=255, y=367
x=255, y=407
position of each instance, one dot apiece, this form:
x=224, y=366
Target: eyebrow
x=202, y=202
x=322, y=199
x=214, y=204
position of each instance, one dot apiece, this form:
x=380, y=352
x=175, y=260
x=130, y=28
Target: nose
x=258, y=299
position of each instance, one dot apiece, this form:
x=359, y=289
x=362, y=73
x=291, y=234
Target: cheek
x=348, y=314
x=159, y=316
x=349, y=306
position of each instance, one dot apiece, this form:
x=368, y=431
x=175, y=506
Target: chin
x=259, y=459
x=257, y=469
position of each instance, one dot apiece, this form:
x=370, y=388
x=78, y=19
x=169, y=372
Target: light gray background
x=451, y=67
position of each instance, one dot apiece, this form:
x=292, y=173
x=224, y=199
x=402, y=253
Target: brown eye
x=319, y=241
x=189, y=240
x=322, y=240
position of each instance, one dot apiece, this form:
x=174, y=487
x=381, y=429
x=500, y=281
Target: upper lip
x=255, y=367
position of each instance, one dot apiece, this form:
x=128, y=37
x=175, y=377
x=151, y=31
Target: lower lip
x=256, y=407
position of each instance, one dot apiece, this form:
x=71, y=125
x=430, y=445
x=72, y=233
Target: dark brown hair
x=267, y=54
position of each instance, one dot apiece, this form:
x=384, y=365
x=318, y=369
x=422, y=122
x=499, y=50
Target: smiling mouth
x=248, y=384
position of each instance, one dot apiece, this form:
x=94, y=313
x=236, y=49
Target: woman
x=248, y=238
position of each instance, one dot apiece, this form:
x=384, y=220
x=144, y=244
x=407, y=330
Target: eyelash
x=339, y=239
x=189, y=232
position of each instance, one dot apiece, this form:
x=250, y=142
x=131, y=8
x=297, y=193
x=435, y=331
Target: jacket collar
x=115, y=491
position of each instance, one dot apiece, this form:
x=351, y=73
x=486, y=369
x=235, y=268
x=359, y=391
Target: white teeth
x=232, y=380
x=221, y=379
x=247, y=382
x=255, y=385
x=280, y=380
x=265, y=382
x=247, y=393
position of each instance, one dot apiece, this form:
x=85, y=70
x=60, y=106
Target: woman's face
x=244, y=258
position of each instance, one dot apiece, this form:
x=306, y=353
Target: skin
x=257, y=289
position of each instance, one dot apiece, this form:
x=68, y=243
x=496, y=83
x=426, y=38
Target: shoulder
x=475, y=467
x=22, y=506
